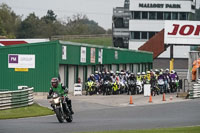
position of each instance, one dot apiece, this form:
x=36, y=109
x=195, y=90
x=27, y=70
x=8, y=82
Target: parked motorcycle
x=161, y=86
x=90, y=88
x=131, y=87
x=115, y=88
x=59, y=105
x=154, y=89
x=174, y=85
x=107, y=88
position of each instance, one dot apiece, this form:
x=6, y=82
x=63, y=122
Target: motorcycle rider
x=143, y=77
x=97, y=82
x=123, y=82
x=172, y=79
x=148, y=77
x=132, y=79
x=153, y=82
x=167, y=80
x=56, y=86
x=96, y=76
x=157, y=73
x=161, y=80
x=139, y=77
x=112, y=76
x=91, y=78
x=107, y=79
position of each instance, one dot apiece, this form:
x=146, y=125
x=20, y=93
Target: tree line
x=12, y=25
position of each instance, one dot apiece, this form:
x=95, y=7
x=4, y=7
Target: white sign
x=100, y=59
x=116, y=55
x=64, y=52
x=92, y=55
x=83, y=55
x=182, y=32
x=77, y=89
x=21, y=61
x=147, y=90
x=161, y=5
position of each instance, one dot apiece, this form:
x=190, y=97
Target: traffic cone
x=171, y=98
x=164, y=97
x=150, y=99
x=131, y=100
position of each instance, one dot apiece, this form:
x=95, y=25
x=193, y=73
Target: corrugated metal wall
x=110, y=55
x=39, y=78
x=48, y=57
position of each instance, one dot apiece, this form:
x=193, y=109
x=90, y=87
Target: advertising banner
x=92, y=55
x=21, y=61
x=83, y=55
x=182, y=32
x=116, y=55
x=64, y=52
x=100, y=59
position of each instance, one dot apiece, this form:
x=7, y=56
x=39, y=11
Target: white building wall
x=146, y=25
x=71, y=78
x=179, y=52
x=114, y=68
x=135, y=44
x=143, y=25
x=89, y=71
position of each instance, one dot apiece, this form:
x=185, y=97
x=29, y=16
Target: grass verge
x=104, y=41
x=23, y=112
x=195, y=129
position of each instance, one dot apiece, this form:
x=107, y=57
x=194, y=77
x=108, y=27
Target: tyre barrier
x=195, y=91
x=14, y=99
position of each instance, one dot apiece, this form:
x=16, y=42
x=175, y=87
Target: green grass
x=104, y=41
x=163, y=130
x=23, y=112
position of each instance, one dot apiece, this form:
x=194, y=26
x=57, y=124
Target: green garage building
x=35, y=64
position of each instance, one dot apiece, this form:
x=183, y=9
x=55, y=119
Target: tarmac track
x=96, y=117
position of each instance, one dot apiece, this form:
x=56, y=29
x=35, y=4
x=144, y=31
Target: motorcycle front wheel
x=59, y=115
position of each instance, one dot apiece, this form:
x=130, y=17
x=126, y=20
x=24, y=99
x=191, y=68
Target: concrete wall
x=89, y=71
x=164, y=63
x=128, y=68
x=120, y=67
x=62, y=74
x=71, y=78
x=80, y=73
x=135, y=68
x=114, y=68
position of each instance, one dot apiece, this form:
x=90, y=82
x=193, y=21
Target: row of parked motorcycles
x=161, y=87
x=113, y=88
x=130, y=87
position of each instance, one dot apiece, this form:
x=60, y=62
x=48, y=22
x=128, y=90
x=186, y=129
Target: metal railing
x=14, y=99
x=195, y=91
x=68, y=37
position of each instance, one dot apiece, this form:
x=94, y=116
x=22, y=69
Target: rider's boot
x=53, y=108
x=70, y=108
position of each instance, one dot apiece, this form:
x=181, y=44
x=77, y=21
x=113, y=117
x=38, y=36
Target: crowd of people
x=119, y=82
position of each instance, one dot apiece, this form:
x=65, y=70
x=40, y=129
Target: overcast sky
x=97, y=10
